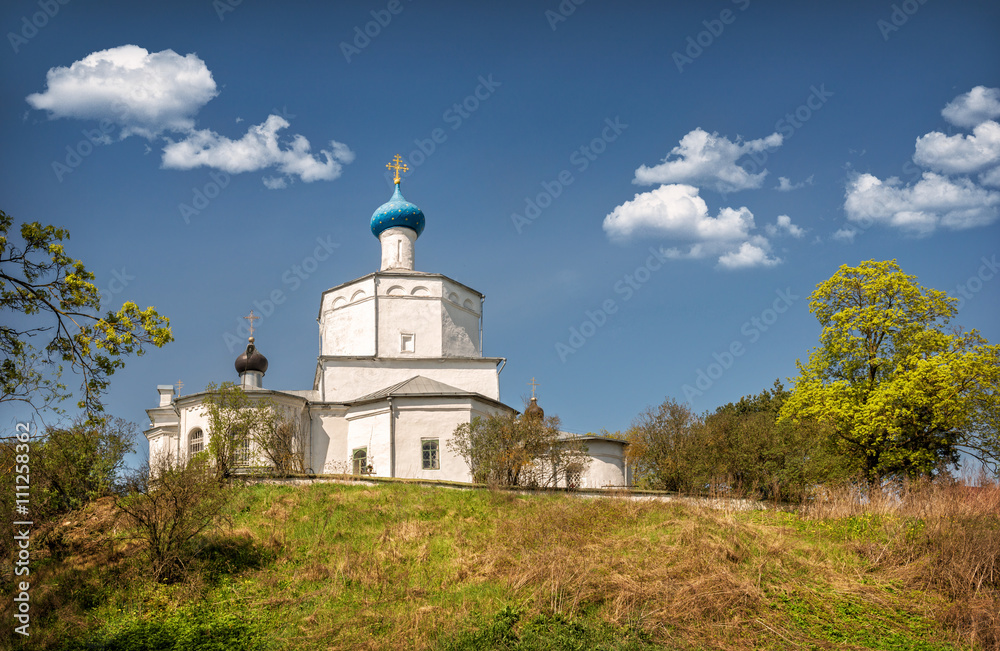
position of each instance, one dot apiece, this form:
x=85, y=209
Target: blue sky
x=645, y=192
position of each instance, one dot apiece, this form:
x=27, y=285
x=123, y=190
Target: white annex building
x=400, y=367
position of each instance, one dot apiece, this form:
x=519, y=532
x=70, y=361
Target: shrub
x=169, y=505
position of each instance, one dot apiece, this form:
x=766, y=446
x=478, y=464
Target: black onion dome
x=251, y=360
x=534, y=411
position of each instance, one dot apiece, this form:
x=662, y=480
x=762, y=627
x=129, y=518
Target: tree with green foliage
x=667, y=450
x=758, y=453
x=80, y=463
x=902, y=394
x=57, y=320
x=66, y=468
x=504, y=449
x=739, y=447
x=249, y=431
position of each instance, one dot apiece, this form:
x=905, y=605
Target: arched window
x=360, y=459
x=196, y=441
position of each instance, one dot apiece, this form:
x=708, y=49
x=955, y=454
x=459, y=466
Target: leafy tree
x=507, y=450
x=901, y=393
x=66, y=468
x=77, y=464
x=756, y=452
x=245, y=430
x=740, y=446
x=667, y=448
x=57, y=321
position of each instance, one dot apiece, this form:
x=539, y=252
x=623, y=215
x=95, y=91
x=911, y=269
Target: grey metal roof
x=415, y=386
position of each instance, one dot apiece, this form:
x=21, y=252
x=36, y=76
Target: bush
x=69, y=467
x=170, y=503
x=740, y=448
x=504, y=450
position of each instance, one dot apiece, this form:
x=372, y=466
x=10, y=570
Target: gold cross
x=251, y=319
x=398, y=165
x=533, y=384
x=180, y=385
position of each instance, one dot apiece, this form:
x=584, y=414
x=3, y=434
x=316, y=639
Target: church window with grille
x=196, y=441
x=240, y=449
x=429, y=451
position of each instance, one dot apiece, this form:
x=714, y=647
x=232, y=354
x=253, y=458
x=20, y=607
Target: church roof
x=397, y=211
x=415, y=386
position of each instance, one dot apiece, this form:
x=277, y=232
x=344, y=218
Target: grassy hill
x=395, y=566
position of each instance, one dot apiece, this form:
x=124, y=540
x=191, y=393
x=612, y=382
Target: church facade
x=400, y=367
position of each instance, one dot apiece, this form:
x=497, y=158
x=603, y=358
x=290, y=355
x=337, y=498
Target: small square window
x=407, y=343
x=429, y=449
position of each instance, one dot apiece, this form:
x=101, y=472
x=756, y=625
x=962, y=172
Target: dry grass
x=668, y=568
x=935, y=535
x=398, y=567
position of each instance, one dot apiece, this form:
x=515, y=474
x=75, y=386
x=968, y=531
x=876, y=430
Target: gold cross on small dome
x=398, y=165
x=533, y=384
x=251, y=319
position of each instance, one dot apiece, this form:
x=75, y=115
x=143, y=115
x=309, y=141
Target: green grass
x=400, y=567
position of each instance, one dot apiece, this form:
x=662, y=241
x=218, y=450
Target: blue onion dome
x=397, y=211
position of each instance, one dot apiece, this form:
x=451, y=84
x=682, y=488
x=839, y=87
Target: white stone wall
x=397, y=248
x=432, y=418
x=607, y=465
x=417, y=315
x=192, y=416
x=460, y=331
x=368, y=427
x=347, y=319
x=328, y=444
x=443, y=315
x=347, y=379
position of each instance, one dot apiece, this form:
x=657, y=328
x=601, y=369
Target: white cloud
x=959, y=154
x=678, y=212
x=258, y=149
x=709, y=161
x=275, y=182
x=150, y=95
x=845, y=234
x=785, y=184
x=974, y=107
x=144, y=94
x=945, y=196
x=991, y=177
x=750, y=254
x=784, y=223
x=933, y=201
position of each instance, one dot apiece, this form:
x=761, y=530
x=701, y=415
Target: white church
x=401, y=365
